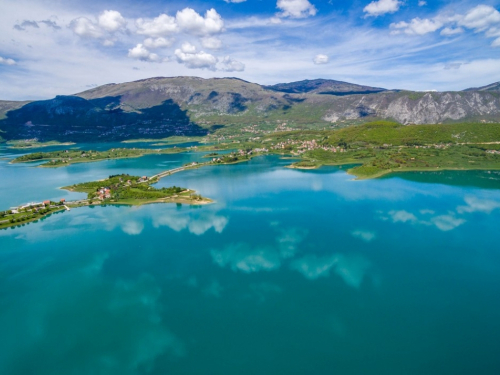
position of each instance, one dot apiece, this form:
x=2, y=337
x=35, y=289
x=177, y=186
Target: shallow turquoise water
x=290, y=272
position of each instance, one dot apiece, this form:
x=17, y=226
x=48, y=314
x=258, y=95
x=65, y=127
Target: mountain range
x=160, y=107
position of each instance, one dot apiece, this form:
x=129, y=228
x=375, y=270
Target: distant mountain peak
x=491, y=87
x=324, y=86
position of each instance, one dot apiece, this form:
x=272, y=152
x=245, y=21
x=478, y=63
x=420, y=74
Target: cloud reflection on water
x=196, y=224
x=476, y=204
x=364, y=235
x=351, y=268
x=444, y=222
x=84, y=321
x=246, y=258
x=131, y=220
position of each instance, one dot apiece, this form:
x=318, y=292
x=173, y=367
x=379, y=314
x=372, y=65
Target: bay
x=289, y=272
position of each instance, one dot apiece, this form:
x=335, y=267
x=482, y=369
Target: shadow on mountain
x=74, y=119
x=338, y=93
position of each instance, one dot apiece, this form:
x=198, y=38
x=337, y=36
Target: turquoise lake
x=289, y=272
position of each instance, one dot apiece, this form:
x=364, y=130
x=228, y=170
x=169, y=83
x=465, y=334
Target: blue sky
x=64, y=47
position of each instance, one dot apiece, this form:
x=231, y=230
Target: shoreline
x=205, y=201
x=41, y=145
x=359, y=177
x=177, y=151
x=406, y=170
x=177, y=200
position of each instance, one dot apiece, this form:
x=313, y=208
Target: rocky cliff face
x=419, y=108
x=159, y=107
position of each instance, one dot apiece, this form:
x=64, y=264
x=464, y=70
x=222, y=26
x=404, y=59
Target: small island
x=35, y=143
x=67, y=157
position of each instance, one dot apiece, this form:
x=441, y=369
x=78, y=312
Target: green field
x=384, y=147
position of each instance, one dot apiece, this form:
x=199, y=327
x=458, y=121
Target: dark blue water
x=289, y=272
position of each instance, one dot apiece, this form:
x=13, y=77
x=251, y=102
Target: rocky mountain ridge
x=491, y=87
x=159, y=107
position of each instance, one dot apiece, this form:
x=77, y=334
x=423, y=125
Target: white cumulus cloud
x=380, y=7
x=227, y=64
x=188, y=48
x=105, y=27
x=195, y=60
x=163, y=25
x=481, y=17
x=111, y=20
x=417, y=26
x=211, y=42
x=154, y=43
x=86, y=28
x=140, y=52
x=320, y=59
x=193, y=23
x=7, y=61
x=296, y=8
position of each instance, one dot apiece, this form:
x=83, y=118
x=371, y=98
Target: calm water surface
x=289, y=272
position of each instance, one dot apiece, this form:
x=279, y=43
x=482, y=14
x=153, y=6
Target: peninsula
x=120, y=189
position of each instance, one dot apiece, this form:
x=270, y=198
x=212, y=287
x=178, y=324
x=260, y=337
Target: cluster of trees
x=32, y=157
x=30, y=215
x=144, y=191
x=231, y=158
x=5, y=213
x=113, y=180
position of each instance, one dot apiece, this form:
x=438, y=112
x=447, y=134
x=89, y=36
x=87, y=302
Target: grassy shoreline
x=361, y=176
x=56, y=159
x=28, y=145
x=5, y=225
